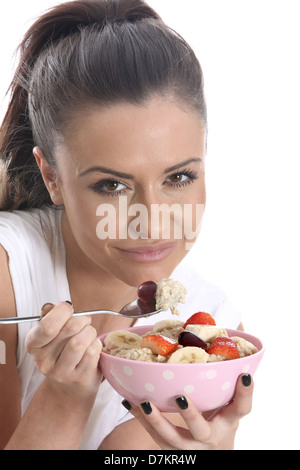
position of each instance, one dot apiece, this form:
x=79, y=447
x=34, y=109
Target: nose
x=154, y=217
x=139, y=214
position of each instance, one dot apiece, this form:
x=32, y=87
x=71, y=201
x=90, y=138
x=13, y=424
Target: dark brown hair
x=82, y=53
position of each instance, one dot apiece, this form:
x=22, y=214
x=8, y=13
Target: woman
x=107, y=103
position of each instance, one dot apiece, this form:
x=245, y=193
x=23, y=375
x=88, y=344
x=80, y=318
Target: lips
x=149, y=253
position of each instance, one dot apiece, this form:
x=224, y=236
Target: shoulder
x=28, y=230
x=7, y=300
x=30, y=240
x=29, y=221
x=9, y=380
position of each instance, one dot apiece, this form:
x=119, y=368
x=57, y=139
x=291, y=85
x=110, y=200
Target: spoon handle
x=10, y=321
x=13, y=320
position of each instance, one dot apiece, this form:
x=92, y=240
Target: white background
x=249, y=244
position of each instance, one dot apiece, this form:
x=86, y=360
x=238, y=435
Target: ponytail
x=80, y=53
x=18, y=170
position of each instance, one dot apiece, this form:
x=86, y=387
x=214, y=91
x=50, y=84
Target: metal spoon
x=134, y=309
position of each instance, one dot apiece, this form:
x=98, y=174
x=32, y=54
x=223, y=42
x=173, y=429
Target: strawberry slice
x=200, y=318
x=224, y=346
x=159, y=344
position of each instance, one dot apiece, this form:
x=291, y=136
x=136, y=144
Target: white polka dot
x=189, y=389
x=149, y=387
x=168, y=375
x=246, y=368
x=225, y=386
x=211, y=374
x=127, y=370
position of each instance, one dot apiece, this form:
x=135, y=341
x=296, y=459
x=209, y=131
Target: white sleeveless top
x=37, y=264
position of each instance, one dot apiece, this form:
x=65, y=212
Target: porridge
x=173, y=341
x=169, y=294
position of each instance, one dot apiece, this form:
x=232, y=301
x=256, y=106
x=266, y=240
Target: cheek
x=195, y=194
x=193, y=212
x=80, y=203
x=200, y=193
x=81, y=210
x=81, y=213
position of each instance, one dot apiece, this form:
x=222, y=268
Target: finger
x=196, y=423
x=75, y=349
x=49, y=327
x=46, y=357
x=46, y=308
x=90, y=359
x=242, y=402
x=157, y=426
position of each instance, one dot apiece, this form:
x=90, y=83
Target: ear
x=49, y=176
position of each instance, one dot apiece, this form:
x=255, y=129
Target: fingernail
x=126, y=404
x=246, y=379
x=182, y=402
x=146, y=407
x=68, y=302
x=46, y=308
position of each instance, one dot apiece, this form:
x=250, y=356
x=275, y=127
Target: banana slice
x=170, y=328
x=245, y=347
x=167, y=324
x=206, y=332
x=122, y=339
x=188, y=355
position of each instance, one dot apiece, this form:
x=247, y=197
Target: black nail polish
x=182, y=402
x=246, y=379
x=146, y=407
x=68, y=302
x=126, y=404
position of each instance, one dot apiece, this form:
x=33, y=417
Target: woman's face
x=118, y=166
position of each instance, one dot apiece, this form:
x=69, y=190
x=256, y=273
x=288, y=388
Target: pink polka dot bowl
x=208, y=385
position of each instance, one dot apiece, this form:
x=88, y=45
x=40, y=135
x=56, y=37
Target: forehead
x=125, y=133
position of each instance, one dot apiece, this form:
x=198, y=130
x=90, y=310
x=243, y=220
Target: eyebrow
x=118, y=174
x=106, y=170
x=179, y=165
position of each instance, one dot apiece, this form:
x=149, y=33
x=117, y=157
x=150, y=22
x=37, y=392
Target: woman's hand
x=66, y=350
x=217, y=433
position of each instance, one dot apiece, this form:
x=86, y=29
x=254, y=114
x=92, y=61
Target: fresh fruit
x=200, y=318
x=159, y=344
x=206, y=332
x=169, y=324
x=245, y=347
x=224, y=346
x=188, y=355
x=146, y=291
x=122, y=339
x=146, y=307
x=187, y=338
x=170, y=328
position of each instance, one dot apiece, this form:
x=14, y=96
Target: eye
x=181, y=179
x=109, y=187
x=178, y=178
